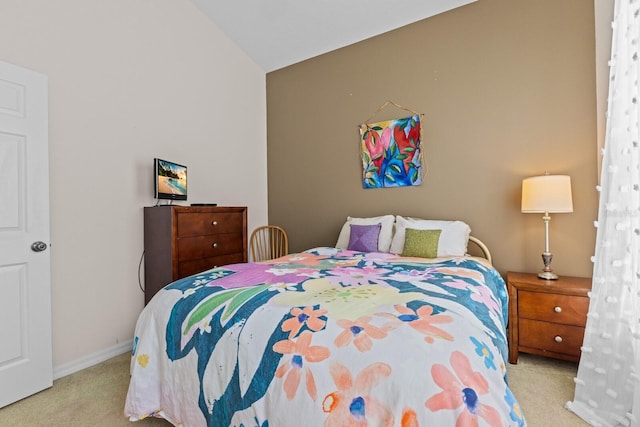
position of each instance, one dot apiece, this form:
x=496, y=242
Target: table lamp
x=547, y=194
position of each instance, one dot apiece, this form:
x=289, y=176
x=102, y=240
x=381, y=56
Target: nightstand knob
x=214, y=245
x=214, y=223
x=558, y=338
x=558, y=309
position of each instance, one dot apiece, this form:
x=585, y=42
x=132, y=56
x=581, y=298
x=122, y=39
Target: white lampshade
x=547, y=194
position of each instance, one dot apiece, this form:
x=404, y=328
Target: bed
x=332, y=336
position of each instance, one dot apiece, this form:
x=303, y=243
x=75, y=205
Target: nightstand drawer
x=552, y=337
x=570, y=310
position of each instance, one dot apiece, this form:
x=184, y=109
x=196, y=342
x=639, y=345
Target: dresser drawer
x=194, y=266
x=570, y=310
x=554, y=337
x=208, y=246
x=204, y=223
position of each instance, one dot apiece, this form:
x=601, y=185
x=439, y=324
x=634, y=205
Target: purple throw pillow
x=364, y=238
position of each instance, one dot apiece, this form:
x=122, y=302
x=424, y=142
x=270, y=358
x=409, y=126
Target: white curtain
x=608, y=383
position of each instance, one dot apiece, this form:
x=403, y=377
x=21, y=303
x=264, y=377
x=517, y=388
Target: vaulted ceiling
x=279, y=33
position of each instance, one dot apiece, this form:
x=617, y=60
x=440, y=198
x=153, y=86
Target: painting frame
x=391, y=153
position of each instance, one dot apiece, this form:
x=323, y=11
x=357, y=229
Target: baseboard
x=92, y=359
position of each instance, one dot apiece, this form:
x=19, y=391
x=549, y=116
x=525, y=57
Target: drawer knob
x=557, y=309
x=214, y=223
x=214, y=245
x=558, y=338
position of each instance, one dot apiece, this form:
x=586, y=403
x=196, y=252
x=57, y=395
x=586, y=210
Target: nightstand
x=547, y=317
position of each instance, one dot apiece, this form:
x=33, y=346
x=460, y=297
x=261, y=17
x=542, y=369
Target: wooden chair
x=269, y=242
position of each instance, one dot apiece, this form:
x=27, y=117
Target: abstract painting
x=391, y=154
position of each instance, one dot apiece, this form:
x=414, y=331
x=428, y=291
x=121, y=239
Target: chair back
x=269, y=242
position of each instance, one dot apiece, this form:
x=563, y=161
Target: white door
x=25, y=272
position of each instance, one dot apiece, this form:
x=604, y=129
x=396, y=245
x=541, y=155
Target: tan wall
x=508, y=91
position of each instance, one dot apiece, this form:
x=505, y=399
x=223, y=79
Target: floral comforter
x=327, y=337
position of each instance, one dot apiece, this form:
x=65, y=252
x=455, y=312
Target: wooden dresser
x=547, y=317
x=183, y=240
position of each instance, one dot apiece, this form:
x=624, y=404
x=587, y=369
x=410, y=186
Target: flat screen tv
x=170, y=180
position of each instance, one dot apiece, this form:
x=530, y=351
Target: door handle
x=38, y=246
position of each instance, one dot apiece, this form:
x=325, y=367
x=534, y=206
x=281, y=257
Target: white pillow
x=386, y=231
x=453, y=239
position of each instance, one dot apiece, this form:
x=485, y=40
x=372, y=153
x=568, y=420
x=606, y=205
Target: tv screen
x=170, y=180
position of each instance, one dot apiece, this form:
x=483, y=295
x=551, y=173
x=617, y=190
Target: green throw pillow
x=421, y=243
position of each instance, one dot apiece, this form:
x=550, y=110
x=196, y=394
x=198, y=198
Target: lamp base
x=548, y=275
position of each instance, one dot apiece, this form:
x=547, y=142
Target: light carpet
x=95, y=396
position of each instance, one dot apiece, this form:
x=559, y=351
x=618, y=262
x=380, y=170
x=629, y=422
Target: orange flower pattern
x=304, y=316
x=462, y=390
x=352, y=404
x=360, y=332
x=422, y=320
x=301, y=351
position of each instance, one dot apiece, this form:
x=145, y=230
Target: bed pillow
x=386, y=231
x=364, y=238
x=421, y=243
x=453, y=239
